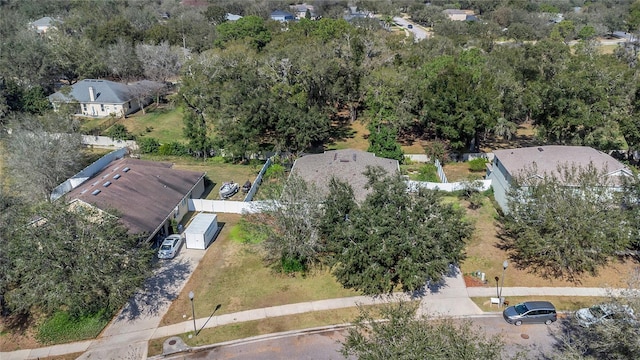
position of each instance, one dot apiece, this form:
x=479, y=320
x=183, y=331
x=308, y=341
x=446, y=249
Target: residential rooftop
x=345, y=165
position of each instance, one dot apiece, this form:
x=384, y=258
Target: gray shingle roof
x=547, y=159
x=106, y=92
x=346, y=165
x=44, y=21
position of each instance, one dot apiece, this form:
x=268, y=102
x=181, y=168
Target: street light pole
x=504, y=268
x=193, y=313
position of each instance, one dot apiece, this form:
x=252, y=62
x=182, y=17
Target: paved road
x=418, y=32
x=535, y=339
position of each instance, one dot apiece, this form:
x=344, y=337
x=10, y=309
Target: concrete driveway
x=127, y=335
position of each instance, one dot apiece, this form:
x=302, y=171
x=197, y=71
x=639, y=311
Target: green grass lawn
x=235, y=276
x=164, y=124
x=266, y=326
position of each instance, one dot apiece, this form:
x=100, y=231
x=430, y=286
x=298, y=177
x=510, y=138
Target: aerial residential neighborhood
x=320, y=179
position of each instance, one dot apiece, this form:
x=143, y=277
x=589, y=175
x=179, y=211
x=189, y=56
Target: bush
x=62, y=327
x=437, y=150
x=119, y=132
x=292, y=265
x=274, y=171
x=478, y=164
x=428, y=173
x=148, y=145
x=173, y=148
x=476, y=200
x=217, y=160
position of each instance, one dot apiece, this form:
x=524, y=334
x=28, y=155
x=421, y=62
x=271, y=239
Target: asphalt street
x=534, y=339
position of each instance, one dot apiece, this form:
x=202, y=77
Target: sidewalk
x=126, y=340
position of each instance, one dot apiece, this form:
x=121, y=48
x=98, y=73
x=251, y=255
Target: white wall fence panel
x=107, y=142
x=257, y=181
x=482, y=185
x=223, y=206
x=423, y=158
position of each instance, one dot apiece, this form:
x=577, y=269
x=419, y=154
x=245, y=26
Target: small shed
x=200, y=232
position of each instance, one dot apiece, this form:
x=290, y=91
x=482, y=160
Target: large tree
x=566, y=223
x=400, y=335
x=70, y=258
x=160, y=62
x=396, y=238
x=290, y=223
x=42, y=156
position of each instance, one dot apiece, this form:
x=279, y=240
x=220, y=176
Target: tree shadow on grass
x=542, y=266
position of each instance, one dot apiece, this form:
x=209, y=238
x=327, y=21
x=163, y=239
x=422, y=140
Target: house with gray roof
x=102, y=98
x=44, y=24
x=147, y=195
x=345, y=165
x=280, y=15
x=541, y=161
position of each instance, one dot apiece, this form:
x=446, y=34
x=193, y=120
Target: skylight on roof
x=116, y=176
x=95, y=192
x=106, y=184
x=126, y=169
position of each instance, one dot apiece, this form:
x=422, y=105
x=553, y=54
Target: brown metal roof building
x=146, y=194
x=346, y=165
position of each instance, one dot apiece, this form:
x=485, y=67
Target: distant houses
x=301, y=11
x=282, y=16
x=460, y=15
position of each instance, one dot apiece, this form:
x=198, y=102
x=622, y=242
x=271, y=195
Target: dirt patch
x=471, y=281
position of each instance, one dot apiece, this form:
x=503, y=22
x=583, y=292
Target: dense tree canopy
x=396, y=238
x=39, y=158
x=78, y=260
x=565, y=224
x=403, y=336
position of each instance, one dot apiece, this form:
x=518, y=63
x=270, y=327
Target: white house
x=280, y=15
x=102, y=98
x=512, y=163
x=300, y=11
x=460, y=15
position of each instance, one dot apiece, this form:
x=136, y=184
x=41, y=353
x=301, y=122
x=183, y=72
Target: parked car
x=603, y=313
x=410, y=26
x=170, y=246
x=531, y=312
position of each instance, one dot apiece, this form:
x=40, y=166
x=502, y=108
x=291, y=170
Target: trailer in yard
x=201, y=230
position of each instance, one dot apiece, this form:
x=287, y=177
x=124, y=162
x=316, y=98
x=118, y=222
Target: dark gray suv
x=531, y=312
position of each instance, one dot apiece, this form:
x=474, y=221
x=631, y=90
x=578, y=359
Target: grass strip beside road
x=266, y=326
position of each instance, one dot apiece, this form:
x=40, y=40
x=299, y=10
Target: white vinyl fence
x=107, y=142
x=480, y=185
x=223, y=206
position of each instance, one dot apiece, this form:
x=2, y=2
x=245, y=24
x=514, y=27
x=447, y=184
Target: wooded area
x=254, y=85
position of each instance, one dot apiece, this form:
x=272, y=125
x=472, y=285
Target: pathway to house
x=128, y=334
